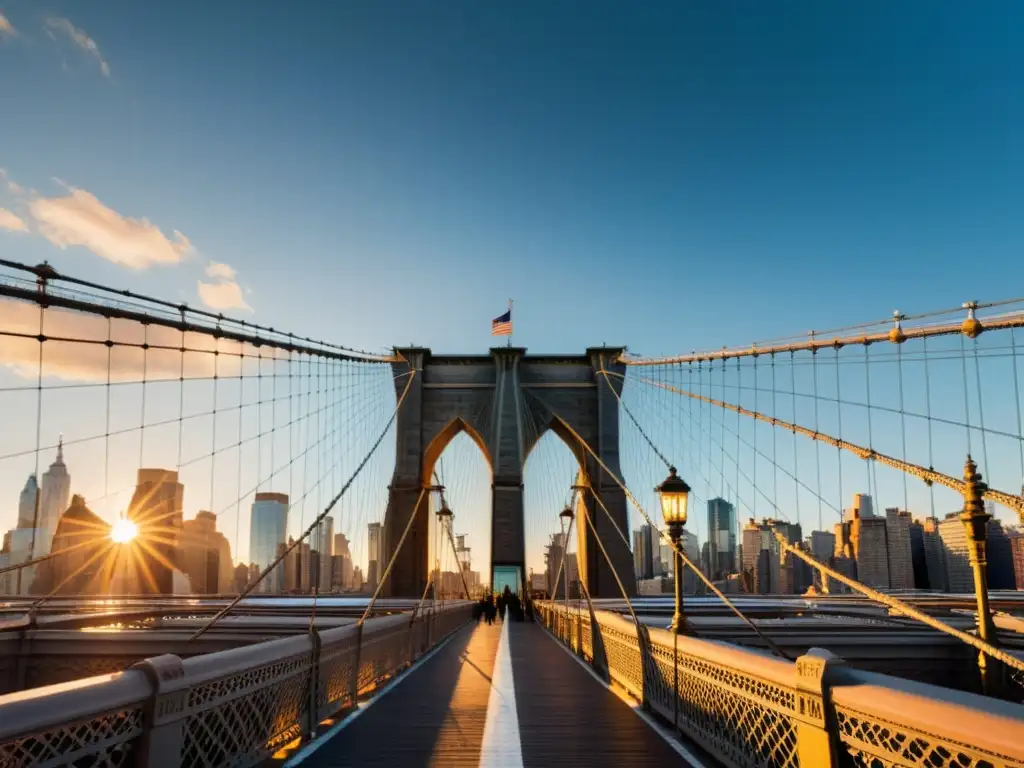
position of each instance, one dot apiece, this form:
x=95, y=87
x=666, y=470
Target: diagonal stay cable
x=926, y=475
x=373, y=449
x=679, y=550
x=394, y=556
x=904, y=608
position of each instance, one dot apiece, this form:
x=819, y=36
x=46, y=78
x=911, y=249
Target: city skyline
x=747, y=188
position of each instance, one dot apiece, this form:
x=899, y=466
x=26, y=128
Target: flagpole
x=511, y=326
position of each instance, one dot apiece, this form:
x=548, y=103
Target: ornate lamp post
x=444, y=518
x=674, y=494
x=975, y=520
x=565, y=518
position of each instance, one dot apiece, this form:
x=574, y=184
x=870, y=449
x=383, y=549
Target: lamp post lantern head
x=566, y=514
x=674, y=494
x=445, y=511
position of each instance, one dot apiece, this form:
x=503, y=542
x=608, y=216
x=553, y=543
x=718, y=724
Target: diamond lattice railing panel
x=106, y=739
x=227, y=687
x=875, y=743
x=245, y=729
x=624, y=660
x=336, y=679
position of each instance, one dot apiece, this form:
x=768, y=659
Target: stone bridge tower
x=505, y=401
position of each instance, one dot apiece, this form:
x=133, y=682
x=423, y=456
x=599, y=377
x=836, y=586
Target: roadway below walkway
x=503, y=695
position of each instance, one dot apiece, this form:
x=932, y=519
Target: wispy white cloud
x=79, y=38
x=8, y=220
x=14, y=188
x=225, y=293
x=6, y=28
x=79, y=218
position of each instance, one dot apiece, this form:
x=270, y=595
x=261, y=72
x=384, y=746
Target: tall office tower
x=206, y=556
x=27, y=503
x=1016, y=537
x=667, y=557
x=721, y=538
x=862, y=507
x=757, y=565
x=918, y=557
x=54, y=494
x=322, y=547
x=934, y=555
x=267, y=524
x=375, y=555
x=156, y=509
x=901, y=561
x=341, y=545
x=1000, y=557
x=644, y=540
x=638, y=554
x=822, y=545
x=959, y=574
x=297, y=568
x=553, y=564
x=87, y=562
x=863, y=541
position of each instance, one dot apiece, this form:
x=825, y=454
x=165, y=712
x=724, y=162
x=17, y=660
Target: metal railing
x=747, y=708
x=236, y=707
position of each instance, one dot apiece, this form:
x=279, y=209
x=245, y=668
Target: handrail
x=746, y=708
x=235, y=706
x=957, y=716
x=38, y=709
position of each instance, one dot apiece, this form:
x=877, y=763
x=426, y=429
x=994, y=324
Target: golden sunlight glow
x=124, y=530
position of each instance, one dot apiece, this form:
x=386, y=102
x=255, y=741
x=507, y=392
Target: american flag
x=502, y=325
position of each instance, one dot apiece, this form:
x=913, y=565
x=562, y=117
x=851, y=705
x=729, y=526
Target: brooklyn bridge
x=682, y=579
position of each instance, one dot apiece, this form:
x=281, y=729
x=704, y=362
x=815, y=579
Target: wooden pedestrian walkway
x=500, y=695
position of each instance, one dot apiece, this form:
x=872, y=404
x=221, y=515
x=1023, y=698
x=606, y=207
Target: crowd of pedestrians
x=492, y=607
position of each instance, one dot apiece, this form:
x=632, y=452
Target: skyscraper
x=721, y=538
x=206, y=555
x=54, y=495
x=156, y=508
x=1000, y=557
x=1017, y=553
x=757, y=557
x=644, y=539
x=268, y=521
x=862, y=538
x=87, y=565
x=27, y=503
x=934, y=555
x=375, y=564
x=322, y=546
x=901, y=561
x=959, y=576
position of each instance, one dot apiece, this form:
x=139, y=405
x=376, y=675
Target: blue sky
x=674, y=176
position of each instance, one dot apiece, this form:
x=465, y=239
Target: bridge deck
x=459, y=709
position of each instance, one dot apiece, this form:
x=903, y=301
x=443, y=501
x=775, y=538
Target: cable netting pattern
x=106, y=740
x=875, y=743
x=246, y=717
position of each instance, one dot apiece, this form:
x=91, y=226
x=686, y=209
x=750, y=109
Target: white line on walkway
x=666, y=734
x=501, y=747
x=361, y=707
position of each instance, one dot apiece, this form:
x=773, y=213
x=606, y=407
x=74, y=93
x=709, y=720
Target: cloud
x=79, y=218
x=226, y=293
x=220, y=271
x=6, y=28
x=79, y=38
x=9, y=221
x=84, y=361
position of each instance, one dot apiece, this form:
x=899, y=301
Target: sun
x=124, y=530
